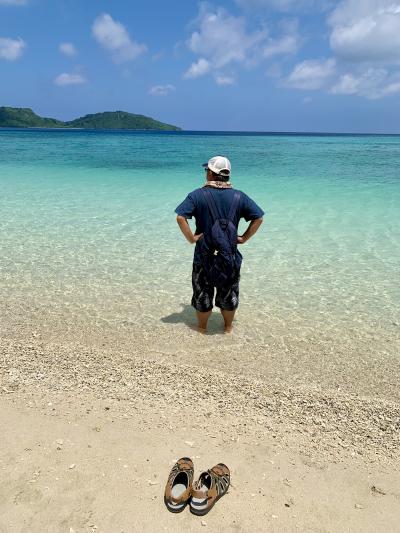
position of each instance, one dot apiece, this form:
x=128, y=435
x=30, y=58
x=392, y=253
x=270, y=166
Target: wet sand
x=285, y=352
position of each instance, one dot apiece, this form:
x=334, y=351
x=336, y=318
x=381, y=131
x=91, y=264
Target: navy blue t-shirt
x=195, y=205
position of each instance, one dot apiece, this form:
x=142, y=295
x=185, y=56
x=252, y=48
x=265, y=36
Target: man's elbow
x=180, y=219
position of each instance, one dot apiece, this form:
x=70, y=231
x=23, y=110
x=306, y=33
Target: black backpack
x=221, y=258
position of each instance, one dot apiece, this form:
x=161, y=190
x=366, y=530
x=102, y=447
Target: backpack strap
x=234, y=206
x=211, y=204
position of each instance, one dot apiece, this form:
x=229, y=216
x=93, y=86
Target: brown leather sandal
x=178, y=489
x=209, y=488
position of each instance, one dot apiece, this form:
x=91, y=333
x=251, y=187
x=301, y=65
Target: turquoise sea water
x=89, y=240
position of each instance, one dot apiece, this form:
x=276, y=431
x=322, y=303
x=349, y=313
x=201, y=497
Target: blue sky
x=264, y=65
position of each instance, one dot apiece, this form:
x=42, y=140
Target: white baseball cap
x=219, y=165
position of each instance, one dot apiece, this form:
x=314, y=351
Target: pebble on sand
x=377, y=490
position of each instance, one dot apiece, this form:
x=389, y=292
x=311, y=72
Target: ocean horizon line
x=206, y=132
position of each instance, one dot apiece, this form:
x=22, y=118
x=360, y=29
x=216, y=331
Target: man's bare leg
x=228, y=319
x=202, y=319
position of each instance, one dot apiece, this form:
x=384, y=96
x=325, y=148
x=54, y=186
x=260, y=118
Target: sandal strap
x=200, y=494
x=181, y=466
x=220, y=478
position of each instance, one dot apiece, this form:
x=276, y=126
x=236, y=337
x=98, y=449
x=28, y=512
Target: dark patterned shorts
x=227, y=298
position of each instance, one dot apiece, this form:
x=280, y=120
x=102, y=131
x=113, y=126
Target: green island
x=15, y=117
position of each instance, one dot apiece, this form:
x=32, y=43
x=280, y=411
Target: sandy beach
x=89, y=436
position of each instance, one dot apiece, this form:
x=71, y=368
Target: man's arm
x=185, y=229
x=251, y=230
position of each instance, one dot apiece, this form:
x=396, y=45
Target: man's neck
x=218, y=184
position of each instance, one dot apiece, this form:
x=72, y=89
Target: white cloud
x=392, y=88
x=223, y=38
x=365, y=38
x=311, y=74
x=13, y=2
x=224, y=80
x=366, y=30
x=68, y=49
x=279, y=5
x=365, y=43
x=11, y=49
x=347, y=84
x=69, y=79
x=161, y=90
x=113, y=36
x=201, y=67
x=373, y=83
x=288, y=44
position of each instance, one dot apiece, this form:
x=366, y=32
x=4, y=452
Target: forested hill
x=13, y=117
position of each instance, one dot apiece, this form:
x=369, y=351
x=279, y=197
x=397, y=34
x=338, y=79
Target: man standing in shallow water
x=218, y=171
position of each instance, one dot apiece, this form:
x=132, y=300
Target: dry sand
x=89, y=436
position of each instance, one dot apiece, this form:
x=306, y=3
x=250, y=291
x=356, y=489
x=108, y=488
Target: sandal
x=178, y=489
x=209, y=488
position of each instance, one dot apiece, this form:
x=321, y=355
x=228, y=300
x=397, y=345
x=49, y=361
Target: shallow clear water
x=89, y=239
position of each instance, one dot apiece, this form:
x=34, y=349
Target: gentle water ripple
x=89, y=239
